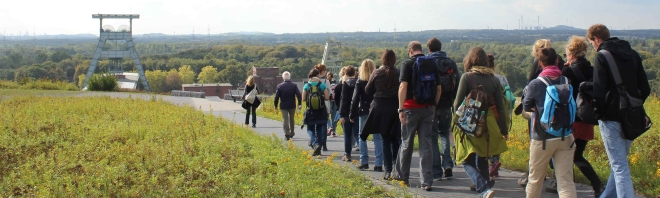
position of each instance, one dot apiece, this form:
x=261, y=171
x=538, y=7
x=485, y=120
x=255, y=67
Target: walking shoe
x=522, y=182
x=330, y=132
x=310, y=144
x=317, y=150
x=387, y=175
x=473, y=187
x=346, y=158
x=598, y=190
x=494, y=169
x=356, y=149
x=448, y=173
x=254, y=125
x=488, y=194
x=426, y=188
x=378, y=168
x=552, y=188
x=287, y=137
x=325, y=148
x=334, y=134
x=363, y=167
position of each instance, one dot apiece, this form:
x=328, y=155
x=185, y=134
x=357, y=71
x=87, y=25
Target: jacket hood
x=351, y=82
x=618, y=48
x=581, y=62
x=482, y=70
x=439, y=54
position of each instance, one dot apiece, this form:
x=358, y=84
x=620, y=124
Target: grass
x=39, y=85
x=104, y=147
x=644, y=158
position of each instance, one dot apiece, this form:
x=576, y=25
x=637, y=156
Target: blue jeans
x=441, y=128
x=350, y=132
x=316, y=133
x=332, y=122
x=418, y=121
x=619, y=184
x=477, y=170
x=378, y=146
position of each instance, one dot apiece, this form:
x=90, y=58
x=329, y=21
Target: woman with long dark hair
x=383, y=118
x=315, y=119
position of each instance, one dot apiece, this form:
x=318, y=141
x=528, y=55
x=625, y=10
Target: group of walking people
x=427, y=97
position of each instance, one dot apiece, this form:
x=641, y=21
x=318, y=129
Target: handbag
x=250, y=97
x=634, y=120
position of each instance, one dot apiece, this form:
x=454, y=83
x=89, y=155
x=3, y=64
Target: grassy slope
x=69, y=146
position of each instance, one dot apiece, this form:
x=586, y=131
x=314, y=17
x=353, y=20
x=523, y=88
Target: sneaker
x=378, y=168
x=334, y=134
x=473, y=187
x=287, y=137
x=426, y=188
x=494, y=169
x=317, y=150
x=363, y=167
x=387, y=175
x=522, y=182
x=356, y=149
x=488, y=194
x=598, y=190
x=254, y=125
x=437, y=179
x=448, y=173
x=325, y=147
x=330, y=132
x=552, y=188
x=310, y=144
x=491, y=183
x=346, y=158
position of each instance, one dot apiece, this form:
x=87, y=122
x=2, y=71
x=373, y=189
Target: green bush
x=104, y=82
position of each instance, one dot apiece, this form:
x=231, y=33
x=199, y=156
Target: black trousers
x=481, y=163
x=254, y=115
x=391, y=144
x=584, y=165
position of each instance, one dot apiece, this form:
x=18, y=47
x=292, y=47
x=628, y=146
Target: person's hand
x=342, y=120
x=299, y=107
x=506, y=137
x=402, y=118
x=352, y=121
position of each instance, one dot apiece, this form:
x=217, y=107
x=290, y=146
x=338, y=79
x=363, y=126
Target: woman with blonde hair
x=578, y=69
x=536, y=68
x=360, y=109
x=251, y=107
x=472, y=151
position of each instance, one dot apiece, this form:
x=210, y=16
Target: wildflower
x=282, y=193
x=304, y=152
x=402, y=184
x=657, y=173
x=634, y=158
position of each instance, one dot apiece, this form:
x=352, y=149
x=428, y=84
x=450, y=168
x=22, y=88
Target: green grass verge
x=104, y=147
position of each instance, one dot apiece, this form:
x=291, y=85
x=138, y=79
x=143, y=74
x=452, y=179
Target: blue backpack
x=559, y=108
x=424, y=73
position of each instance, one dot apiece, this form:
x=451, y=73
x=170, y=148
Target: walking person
x=554, y=142
x=322, y=77
x=332, y=121
x=578, y=69
x=416, y=114
x=509, y=102
x=287, y=92
x=316, y=116
x=251, y=107
x=606, y=102
x=383, y=118
x=442, y=161
x=350, y=126
x=472, y=151
x=359, y=113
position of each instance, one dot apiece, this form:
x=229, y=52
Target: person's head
x=313, y=73
x=286, y=76
x=349, y=71
x=366, y=69
x=547, y=57
x=576, y=48
x=596, y=34
x=538, y=45
x=321, y=69
x=342, y=72
x=434, y=45
x=250, y=81
x=330, y=76
x=414, y=48
x=388, y=58
x=491, y=61
x=476, y=57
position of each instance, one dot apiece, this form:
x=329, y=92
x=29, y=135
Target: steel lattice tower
x=116, y=56
x=332, y=56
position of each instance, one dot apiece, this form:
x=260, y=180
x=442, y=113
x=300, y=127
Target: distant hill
x=563, y=27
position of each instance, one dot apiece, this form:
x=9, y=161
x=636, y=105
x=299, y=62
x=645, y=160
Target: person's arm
x=404, y=78
x=502, y=119
x=345, y=104
x=277, y=96
x=529, y=102
x=298, y=96
x=642, y=80
x=355, y=101
x=601, y=75
x=370, y=89
x=304, y=95
x=462, y=91
x=337, y=93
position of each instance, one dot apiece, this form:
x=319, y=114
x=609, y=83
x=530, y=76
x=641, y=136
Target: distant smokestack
x=538, y=23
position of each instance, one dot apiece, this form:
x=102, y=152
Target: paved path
x=506, y=185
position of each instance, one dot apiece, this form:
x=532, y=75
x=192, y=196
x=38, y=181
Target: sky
x=311, y=16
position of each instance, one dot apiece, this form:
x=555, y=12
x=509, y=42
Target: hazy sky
x=301, y=16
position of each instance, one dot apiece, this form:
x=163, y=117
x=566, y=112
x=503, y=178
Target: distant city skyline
x=314, y=16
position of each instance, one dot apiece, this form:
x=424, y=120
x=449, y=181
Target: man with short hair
x=415, y=117
x=606, y=103
x=288, y=91
x=443, y=113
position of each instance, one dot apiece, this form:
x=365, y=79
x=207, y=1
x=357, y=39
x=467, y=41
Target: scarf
x=551, y=72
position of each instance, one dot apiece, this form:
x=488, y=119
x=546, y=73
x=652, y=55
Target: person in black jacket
x=350, y=128
x=578, y=69
x=249, y=86
x=360, y=111
x=606, y=103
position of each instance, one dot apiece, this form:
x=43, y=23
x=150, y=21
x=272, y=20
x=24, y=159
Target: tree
x=187, y=74
x=233, y=74
x=156, y=80
x=59, y=55
x=173, y=81
x=209, y=74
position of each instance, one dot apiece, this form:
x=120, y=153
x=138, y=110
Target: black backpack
x=424, y=74
x=585, y=107
x=447, y=76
